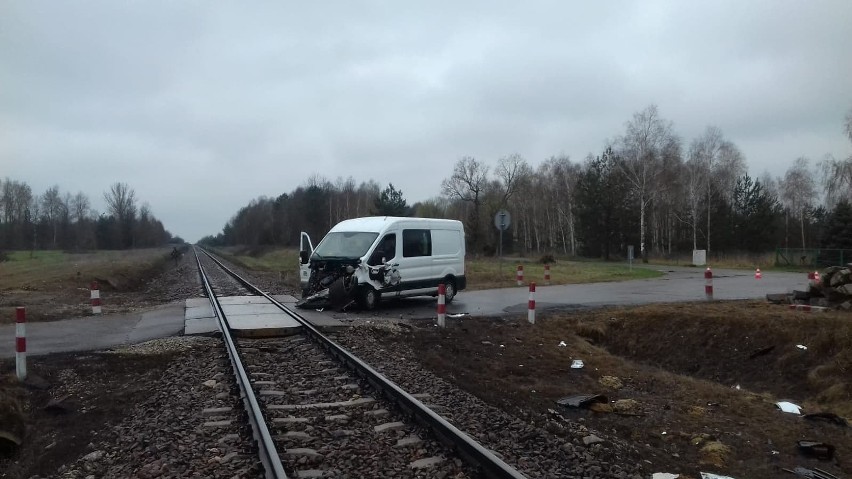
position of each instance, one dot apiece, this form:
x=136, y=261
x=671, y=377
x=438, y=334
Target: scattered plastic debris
x=664, y=475
x=577, y=364
x=710, y=475
x=320, y=310
x=820, y=450
x=457, y=315
x=813, y=474
x=828, y=417
x=789, y=407
x=801, y=346
x=582, y=400
x=737, y=387
x=562, y=344
x=761, y=352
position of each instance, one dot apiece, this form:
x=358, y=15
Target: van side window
x=416, y=243
x=386, y=249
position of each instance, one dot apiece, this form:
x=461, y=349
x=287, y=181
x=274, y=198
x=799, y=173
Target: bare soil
x=695, y=383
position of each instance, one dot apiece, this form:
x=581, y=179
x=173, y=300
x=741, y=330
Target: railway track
x=316, y=410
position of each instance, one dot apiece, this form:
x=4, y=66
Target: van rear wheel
x=449, y=290
x=368, y=298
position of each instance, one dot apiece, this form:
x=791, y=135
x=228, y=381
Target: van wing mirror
x=304, y=256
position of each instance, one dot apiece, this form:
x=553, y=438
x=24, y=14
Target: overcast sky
x=201, y=106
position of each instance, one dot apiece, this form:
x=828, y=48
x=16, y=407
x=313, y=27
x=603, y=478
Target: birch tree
x=799, y=191
x=642, y=149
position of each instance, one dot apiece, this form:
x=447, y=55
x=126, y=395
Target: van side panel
x=448, y=256
x=415, y=264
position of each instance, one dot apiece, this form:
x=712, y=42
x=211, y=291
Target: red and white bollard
x=442, y=305
x=708, y=284
x=757, y=274
x=531, y=304
x=546, y=274
x=811, y=279
x=520, y=275
x=96, y=298
x=21, y=343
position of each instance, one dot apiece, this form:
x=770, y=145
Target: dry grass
x=47, y=269
x=482, y=273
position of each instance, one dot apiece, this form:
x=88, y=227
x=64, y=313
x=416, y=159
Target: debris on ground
x=761, y=352
x=582, y=400
x=802, y=346
x=831, y=289
x=664, y=475
x=811, y=473
x=577, y=364
x=819, y=450
x=789, y=407
x=828, y=417
x=710, y=475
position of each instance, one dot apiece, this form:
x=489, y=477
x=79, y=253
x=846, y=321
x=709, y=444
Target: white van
x=366, y=259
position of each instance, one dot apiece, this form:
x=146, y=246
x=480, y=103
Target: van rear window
x=446, y=242
x=416, y=243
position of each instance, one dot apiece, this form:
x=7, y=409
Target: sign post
x=630, y=256
x=502, y=220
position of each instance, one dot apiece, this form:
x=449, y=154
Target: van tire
x=368, y=298
x=449, y=290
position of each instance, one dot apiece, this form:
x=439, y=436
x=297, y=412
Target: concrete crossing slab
x=249, y=316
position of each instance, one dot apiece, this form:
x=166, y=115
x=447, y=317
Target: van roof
x=376, y=224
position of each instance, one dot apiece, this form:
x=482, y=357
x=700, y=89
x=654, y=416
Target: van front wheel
x=368, y=298
x=449, y=290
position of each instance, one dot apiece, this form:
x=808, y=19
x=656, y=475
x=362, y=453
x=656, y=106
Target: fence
x=812, y=257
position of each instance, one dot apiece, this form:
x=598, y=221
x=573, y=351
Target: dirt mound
x=694, y=384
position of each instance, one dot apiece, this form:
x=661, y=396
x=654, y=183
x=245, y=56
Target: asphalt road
x=678, y=284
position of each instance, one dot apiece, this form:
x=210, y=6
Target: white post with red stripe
x=531, y=304
x=442, y=305
x=708, y=284
x=547, y=274
x=96, y=298
x=520, y=275
x=21, y=342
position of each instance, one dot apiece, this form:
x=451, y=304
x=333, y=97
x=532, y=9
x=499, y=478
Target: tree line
x=53, y=220
x=648, y=188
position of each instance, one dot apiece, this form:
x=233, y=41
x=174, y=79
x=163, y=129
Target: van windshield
x=349, y=244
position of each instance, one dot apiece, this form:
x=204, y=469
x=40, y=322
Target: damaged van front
x=362, y=259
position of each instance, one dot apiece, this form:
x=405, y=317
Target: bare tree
x=798, y=191
x=52, y=209
x=511, y=170
x=695, y=184
x=721, y=164
x=121, y=202
x=837, y=174
x=467, y=184
x=642, y=148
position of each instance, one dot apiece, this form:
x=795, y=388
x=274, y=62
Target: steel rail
x=265, y=445
x=490, y=465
